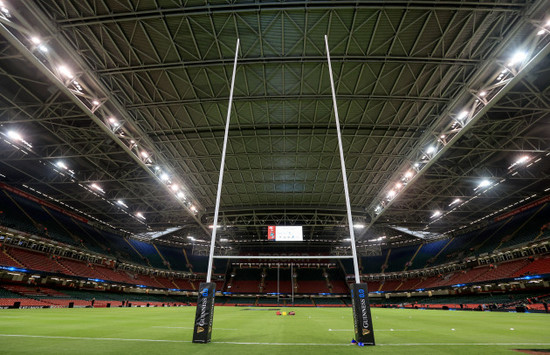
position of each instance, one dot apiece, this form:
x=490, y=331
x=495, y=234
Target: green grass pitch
x=259, y=331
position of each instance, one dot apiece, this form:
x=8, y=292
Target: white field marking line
x=378, y=330
x=258, y=343
x=90, y=338
x=159, y=326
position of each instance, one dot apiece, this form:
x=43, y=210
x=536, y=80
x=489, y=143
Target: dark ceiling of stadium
x=432, y=96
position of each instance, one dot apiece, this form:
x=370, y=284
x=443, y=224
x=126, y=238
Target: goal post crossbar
x=294, y=257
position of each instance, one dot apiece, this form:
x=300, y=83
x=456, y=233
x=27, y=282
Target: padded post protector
x=202, y=332
x=362, y=320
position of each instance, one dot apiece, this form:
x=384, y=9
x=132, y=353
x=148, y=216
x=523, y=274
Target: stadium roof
x=117, y=109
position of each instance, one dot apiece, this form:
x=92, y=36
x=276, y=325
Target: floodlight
x=120, y=202
x=43, y=48
x=36, y=40
x=65, y=71
x=164, y=177
x=391, y=193
x=145, y=154
x=15, y=136
x=61, y=165
x=4, y=10
x=484, y=183
x=462, y=115
x=408, y=174
x=223, y=240
x=95, y=102
x=518, y=57
x=541, y=32
x=398, y=185
x=455, y=201
x=181, y=195
x=430, y=149
x=174, y=187
x=482, y=93
x=358, y=226
x=140, y=215
x=436, y=214
x=522, y=160
x=96, y=187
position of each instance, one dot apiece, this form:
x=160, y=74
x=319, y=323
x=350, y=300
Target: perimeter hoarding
x=202, y=332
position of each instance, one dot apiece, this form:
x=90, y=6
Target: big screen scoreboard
x=285, y=233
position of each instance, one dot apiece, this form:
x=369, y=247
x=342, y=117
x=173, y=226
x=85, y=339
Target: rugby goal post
x=202, y=331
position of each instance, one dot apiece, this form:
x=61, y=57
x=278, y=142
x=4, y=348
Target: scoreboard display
x=285, y=233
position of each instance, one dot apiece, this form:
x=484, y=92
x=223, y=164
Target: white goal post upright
x=342, y=162
x=220, y=180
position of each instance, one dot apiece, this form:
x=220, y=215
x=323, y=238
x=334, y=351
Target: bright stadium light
x=408, y=174
x=174, y=187
x=522, y=160
x=455, y=201
x=65, y=71
x=391, y=193
x=462, y=115
x=181, y=195
x=36, y=40
x=114, y=122
x=483, y=183
x=140, y=215
x=517, y=58
x=97, y=187
x=61, y=165
x=164, y=177
x=430, y=150
x=15, y=136
x=358, y=226
x=436, y=214
x=121, y=203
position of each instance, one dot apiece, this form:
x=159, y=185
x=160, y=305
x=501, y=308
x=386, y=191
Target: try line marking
x=257, y=343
